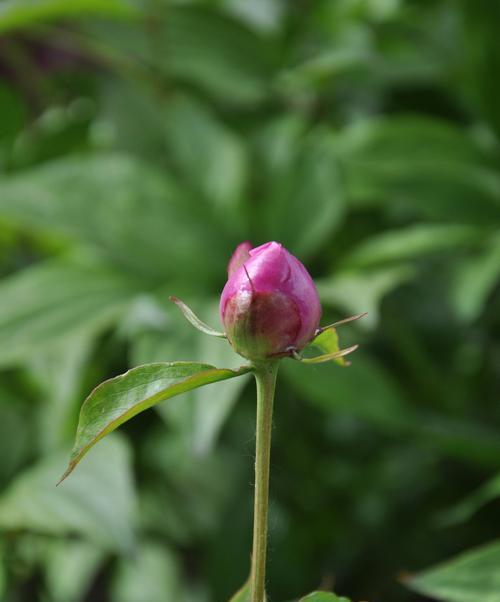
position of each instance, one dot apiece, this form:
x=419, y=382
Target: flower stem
x=265, y=376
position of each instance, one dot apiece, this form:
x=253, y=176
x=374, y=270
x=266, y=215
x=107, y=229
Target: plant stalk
x=265, y=377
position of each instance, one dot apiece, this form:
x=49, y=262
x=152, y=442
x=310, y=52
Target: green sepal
x=327, y=341
x=193, y=319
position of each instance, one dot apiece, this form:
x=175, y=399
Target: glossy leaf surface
x=117, y=400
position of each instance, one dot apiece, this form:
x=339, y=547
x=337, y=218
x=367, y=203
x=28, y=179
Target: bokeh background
x=139, y=143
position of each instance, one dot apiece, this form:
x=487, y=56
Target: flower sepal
x=327, y=341
x=193, y=319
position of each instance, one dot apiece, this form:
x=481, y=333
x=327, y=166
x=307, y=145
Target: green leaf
x=365, y=390
x=60, y=371
x=189, y=494
x=311, y=179
x=13, y=111
x=70, y=565
x=117, y=203
x=470, y=577
x=482, y=58
x=475, y=279
x=323, y=597
x=209, y=155
x=244, y=594
x=46, y=304
x=328, y=343
x=98, y=503
x=16, y=435
x=3, y=575
x=200, y=413
x=465, y=509
x=397, y=246
x=361, y=291
x=216, y=53
x=211, y=406
x=16, y=14
x=152, y=575
x=117, y=400
x=429, y=167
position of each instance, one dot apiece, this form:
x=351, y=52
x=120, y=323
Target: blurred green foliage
x=140, y=141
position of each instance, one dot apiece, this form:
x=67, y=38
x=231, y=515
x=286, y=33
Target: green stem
x=265, y=376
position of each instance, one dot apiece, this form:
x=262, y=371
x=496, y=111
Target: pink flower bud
x=270, y=304
x=240, y=255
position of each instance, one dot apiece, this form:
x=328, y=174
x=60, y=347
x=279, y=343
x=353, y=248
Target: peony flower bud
x=240, y=255
x=270, y=305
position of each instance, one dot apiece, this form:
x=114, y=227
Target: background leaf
x=15, y=14
x=467, y=507
x=193, y=133
x=152, y=576
x=472, y=576
x=311, y=179
x=47, y=304
x=69, y=566
x=235, y=64
x=97, y=504
x=128, y=199
x=433, y=169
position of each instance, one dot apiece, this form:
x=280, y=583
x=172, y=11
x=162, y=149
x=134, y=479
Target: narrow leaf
x=336, y=355
x=117, y=400
x=467, y=507
x=193, y=319
x=471, y=577
x=344, y=321
x=323, y=597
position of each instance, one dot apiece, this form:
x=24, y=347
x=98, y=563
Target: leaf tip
x=66, y=473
